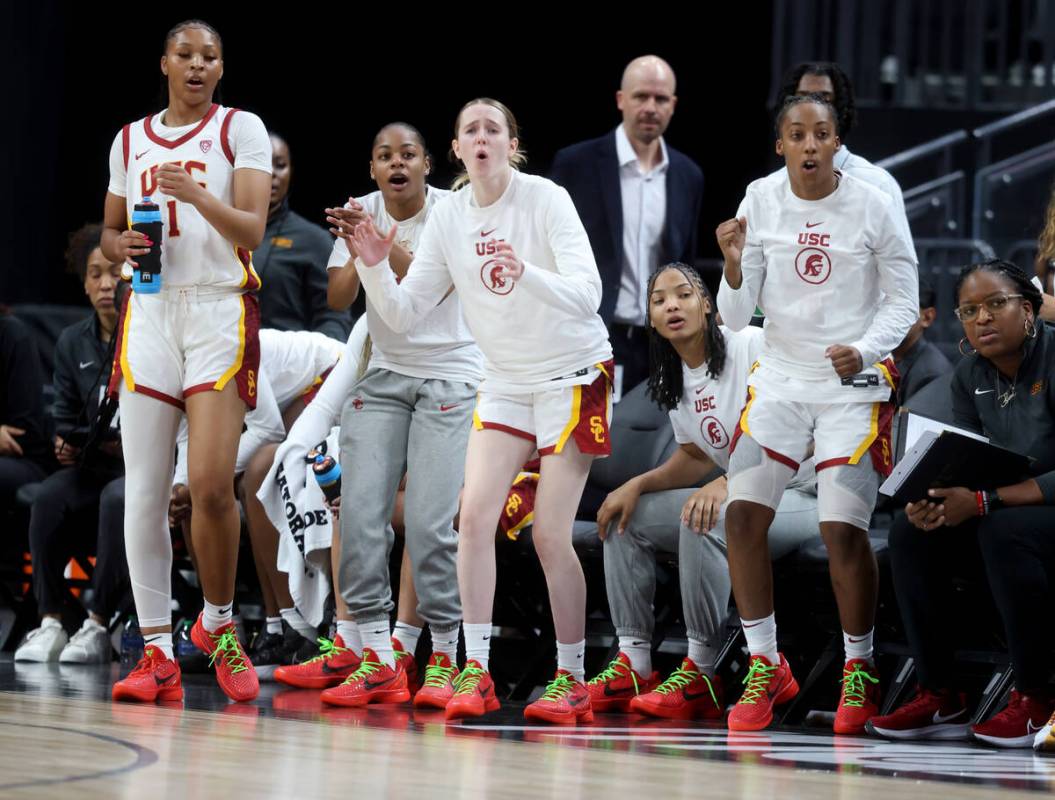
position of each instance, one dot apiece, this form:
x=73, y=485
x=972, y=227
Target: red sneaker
x=474, y=694
x=686, y=694
x=372, y=682
x=767, y=686
x=331, y=666
x=155, y=677
x=565, y=702
x=860, y=697
x=408, y=663
x=928, y=715
x=234, y=670
x=617, y=685
x=1018, y=724
x=441, y=676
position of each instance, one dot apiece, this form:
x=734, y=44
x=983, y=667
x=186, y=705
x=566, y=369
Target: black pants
x=630, y=351
x=14, y=473
x=77, y=513
x=1015, y=549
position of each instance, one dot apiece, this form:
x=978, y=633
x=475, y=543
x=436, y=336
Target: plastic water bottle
x=146, y=218
x=131, y=643
x=328, y=474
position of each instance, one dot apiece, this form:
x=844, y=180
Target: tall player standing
x=822, y=255
x=519, y=258
x=191, y=347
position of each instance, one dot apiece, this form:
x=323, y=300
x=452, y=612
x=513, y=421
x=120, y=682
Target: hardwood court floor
x=60, y=736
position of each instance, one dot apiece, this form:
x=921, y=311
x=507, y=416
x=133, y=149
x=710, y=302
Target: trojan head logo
x=206, y=145
x=494, y=280
x=813, y=265
x=357, y=403
x=714, y=433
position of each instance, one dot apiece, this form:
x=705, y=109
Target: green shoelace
x=327, y=649
x=854, y=687
x=469, y=680
x=617, y=669
x=228, y=647
x=438, y=676
x=365, y=668
x=757, y=681
x=558, y=688
x=681, y=678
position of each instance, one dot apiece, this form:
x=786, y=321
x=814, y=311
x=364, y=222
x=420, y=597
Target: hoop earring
x=1031, y=328
x=965, y=347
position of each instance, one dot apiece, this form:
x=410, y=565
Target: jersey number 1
x=173, y=224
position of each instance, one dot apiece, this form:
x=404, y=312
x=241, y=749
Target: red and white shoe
x=616, y=686
x=474, y=694
x=331, y=666
x=564, y=702
x=929, y=715
x=1018, y=724
x=441, y=677
x=859, y=701
x=155, y=677
x=767, y=685
x=409, y=664
x=686, y=694
x=372, y=682
x=234, y=670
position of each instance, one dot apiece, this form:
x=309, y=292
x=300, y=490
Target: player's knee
x=551, y=546
x=212, y=496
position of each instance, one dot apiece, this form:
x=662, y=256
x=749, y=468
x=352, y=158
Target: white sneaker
x=43, y=644
x=89, y=645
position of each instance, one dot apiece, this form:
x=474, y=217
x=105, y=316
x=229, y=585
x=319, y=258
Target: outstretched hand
x=372, y=249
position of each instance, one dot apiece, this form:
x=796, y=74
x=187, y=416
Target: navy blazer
x=590, y=172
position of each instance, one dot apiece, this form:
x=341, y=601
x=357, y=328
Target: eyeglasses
x=994, y=305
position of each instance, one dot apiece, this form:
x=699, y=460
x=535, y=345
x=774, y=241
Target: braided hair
x=843, y=99
x=1012, y=273
x=665, y=379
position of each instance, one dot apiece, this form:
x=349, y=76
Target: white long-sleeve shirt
x=439, y=345
x=832, y=271
x=536, y=333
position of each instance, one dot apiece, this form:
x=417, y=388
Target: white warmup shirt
x=541, y=332
x=439, y=345
x=831, y=271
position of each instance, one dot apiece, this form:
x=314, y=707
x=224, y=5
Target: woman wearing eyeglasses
x=1003, y=389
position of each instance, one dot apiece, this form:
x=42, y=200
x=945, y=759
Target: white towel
x=297, y=508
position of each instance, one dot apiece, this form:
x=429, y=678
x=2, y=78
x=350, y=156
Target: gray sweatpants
x=703, y=567
x=393, y=424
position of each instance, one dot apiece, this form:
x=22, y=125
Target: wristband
x=979, y=498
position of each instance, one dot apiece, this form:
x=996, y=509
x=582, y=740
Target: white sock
x=274, y=625
x=215, y=617
x=570, y=659
x=858, y=646
x=298, y=623
x=407, y=635
x=377, y=636
x=445, y=642
x=477, y=642
x=639, y=651
x=761, y=635
x=91, y=623
x=703, y=656
x=349, y=633
x=162, y=641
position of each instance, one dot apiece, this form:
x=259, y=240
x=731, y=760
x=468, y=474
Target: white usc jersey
x=538, y=333
x=225, y=139
x=831, y=271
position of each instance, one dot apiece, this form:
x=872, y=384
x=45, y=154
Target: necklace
x=1009, y=395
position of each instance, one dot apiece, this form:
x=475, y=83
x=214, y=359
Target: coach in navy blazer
x=591, y=171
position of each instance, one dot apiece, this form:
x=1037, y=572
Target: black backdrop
x=328, y=79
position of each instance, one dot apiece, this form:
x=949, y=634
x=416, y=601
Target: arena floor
x=60, y=736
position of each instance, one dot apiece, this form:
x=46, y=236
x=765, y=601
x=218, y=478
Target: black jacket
x=590, y=172
x=22, y=391
x=82, y=370
x=291, y=263
x=918, y=367
x=1027, y=423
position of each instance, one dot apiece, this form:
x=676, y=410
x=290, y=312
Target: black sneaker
x=268, y=652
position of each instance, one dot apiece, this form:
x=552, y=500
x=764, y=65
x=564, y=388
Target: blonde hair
x=364, y=356
x=1046, y=241
x=519, y=156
